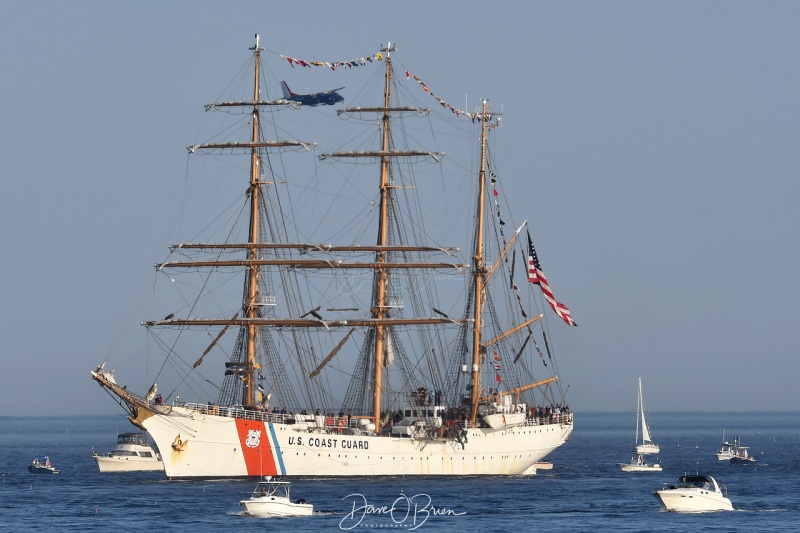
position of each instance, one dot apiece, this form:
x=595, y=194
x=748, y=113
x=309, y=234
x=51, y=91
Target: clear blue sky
x=660, y=140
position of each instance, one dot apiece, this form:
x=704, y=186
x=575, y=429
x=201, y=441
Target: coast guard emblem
x=253, y=438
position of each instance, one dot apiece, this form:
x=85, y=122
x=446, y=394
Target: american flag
x=535, y=275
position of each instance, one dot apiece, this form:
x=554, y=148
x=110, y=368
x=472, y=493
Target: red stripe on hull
x=256, y=448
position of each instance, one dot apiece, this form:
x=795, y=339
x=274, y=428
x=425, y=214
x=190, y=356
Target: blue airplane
x=324, y=98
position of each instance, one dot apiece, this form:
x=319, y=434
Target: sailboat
x=645, y=446
x=328, y=373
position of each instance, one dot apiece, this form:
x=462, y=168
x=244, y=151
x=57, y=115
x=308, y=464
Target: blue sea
x=585, y=491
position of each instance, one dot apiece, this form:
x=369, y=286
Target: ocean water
x=585, y=491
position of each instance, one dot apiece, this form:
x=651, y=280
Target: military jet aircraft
x=315, y=99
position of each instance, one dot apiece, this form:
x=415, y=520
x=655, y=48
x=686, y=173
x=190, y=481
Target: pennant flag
x=497, y=378
x=458, y=112
x=361, y=61
x=535, y=275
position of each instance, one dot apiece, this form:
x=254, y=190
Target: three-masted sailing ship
x=326, y=377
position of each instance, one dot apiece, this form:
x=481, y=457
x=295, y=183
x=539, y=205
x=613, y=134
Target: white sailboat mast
x=645, y=432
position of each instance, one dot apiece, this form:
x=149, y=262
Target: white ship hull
x=195, y=444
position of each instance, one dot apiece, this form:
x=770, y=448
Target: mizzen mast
x=479, y=269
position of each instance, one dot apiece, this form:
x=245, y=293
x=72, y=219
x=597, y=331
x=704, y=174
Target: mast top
x=389, y=48
x=256, y=47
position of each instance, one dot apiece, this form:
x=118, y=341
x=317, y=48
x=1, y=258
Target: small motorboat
x=42, y=465
x=639, y=464
x=132, y=453
x=694, y=494
x=740, y=455
x=726, y=450
x=725, y=453
x=271, y=498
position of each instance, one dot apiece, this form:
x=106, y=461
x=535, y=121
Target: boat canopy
x=695, y=480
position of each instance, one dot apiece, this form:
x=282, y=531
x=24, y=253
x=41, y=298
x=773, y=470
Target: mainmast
x=380, y=316
x=383, y=229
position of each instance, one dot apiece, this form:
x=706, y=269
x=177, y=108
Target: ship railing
x=553, y=418
x=331, y=423
x=337, y=424
x=239, y=412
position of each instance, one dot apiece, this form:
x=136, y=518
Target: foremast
x=253, y=269
x=249, y=321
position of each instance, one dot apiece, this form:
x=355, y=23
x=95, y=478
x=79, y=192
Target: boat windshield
x=266, y=488
x=132, y=438
x=696, y=481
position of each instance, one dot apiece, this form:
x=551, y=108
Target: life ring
x=342, y=423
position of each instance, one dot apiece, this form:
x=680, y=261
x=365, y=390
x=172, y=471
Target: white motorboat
x=639, y=464
x=132, y=453
x=726, y=450
x=740, y=454
x=271, y=498
x=694, y=494
x=42, y=465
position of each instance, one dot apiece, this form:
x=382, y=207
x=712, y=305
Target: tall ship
x=388, y=353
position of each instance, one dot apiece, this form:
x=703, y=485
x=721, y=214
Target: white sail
x=647, y=445
x=388, y=359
